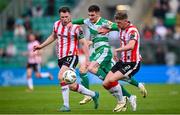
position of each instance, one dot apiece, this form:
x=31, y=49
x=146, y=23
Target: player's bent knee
x=108, y=85
x=111, y=80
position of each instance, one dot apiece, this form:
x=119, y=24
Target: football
x=69, y=76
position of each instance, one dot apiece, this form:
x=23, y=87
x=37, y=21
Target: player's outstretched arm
x=114, y=27
x=78, y=21
x=48, y=41
x=127, y=47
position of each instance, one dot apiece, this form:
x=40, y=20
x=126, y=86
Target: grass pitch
x=161, y=99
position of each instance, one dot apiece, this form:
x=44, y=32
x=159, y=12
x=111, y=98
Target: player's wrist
x=118, y=50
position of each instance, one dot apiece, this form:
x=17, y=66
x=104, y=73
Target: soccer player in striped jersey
x=102, y=55
x=34, y=62
x=129, y=64
x=67, y=36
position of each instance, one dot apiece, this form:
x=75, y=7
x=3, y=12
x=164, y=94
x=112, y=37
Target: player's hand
x=36, y=47
x=89, y=42
x=103, y=30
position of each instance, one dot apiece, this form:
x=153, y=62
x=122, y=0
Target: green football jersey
x=98, y=40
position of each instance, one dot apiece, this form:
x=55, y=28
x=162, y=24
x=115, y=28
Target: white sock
x=30, y=83
x=65, y=94
x=85, y=91
x=117, y=92
x=45, y=74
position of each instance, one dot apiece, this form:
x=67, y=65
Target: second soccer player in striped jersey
x=129, y=64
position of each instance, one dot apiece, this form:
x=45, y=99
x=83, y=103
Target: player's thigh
x=116, y=76
x=112, y=77
x=62, y=70
x=107, y=78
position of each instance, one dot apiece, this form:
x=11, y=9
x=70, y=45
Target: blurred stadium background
x=158, y=22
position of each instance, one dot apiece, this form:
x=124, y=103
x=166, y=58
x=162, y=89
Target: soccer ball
x=69, y=76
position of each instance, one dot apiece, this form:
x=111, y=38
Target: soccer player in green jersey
x=101, y=58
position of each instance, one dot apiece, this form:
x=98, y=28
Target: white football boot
x=85, y=100
x=142, y=89
x=120, y=105
x=132, y=101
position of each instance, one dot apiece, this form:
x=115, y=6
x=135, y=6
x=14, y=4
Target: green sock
x=125, y=92
x=84, y=80
x=101, y=74
x=133, y=82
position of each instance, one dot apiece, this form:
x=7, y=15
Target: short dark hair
x=121, y=16
x=94, y=8
x=64, y=9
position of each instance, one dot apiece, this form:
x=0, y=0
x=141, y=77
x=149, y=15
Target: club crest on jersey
x=80, y=32
x=132, y=35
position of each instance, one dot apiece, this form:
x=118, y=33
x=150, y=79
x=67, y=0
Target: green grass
x=162, y=99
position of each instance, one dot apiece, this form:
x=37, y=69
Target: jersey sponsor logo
x=62, y=35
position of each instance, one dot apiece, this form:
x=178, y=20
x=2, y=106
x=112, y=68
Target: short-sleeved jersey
x=97, y=39
x=67, y=39
x=33, y=57
x=130, y=33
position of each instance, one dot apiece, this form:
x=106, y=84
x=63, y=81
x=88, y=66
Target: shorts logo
x=126, y=68
x=69, y=59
